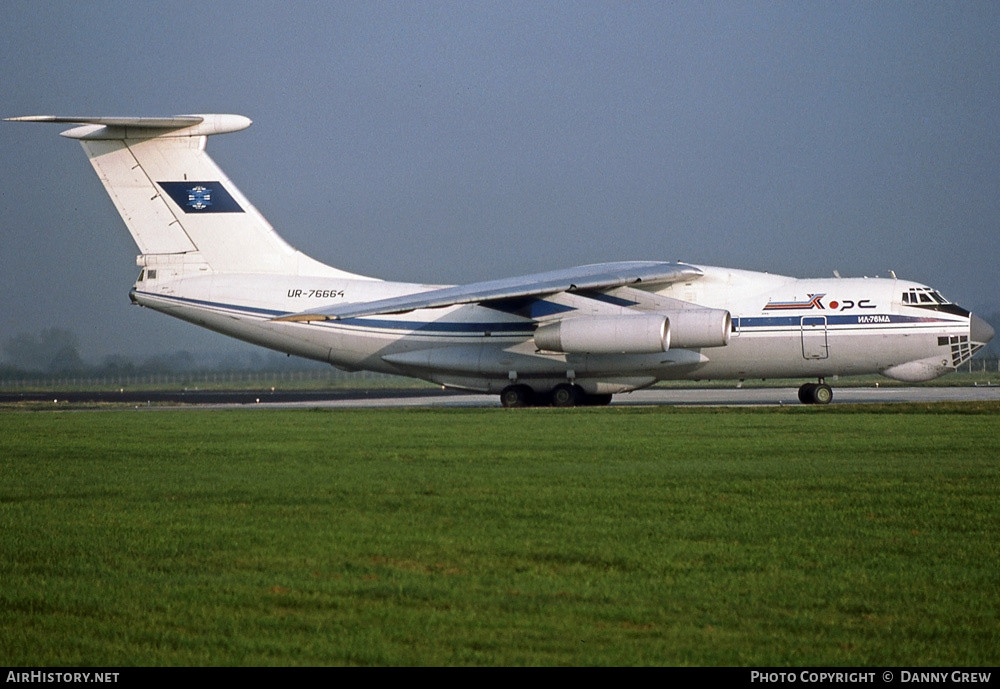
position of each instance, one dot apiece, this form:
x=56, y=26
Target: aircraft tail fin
x=179, y=206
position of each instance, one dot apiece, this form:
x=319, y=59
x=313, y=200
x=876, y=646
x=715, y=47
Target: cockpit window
x=927, y=298
x=923, y=295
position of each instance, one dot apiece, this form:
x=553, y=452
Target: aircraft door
x=814, y=340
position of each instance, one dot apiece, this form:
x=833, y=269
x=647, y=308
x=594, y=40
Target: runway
x=682, y=397
x=365, y=399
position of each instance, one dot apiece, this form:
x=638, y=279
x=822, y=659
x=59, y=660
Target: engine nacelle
x=696, y=328
x=646, y=333
x=638, y=334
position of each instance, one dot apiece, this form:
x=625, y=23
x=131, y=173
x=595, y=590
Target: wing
x=599, y=276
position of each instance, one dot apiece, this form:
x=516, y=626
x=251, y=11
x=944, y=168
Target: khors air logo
x=848, y=304
x=201, y=197
x=815, y=302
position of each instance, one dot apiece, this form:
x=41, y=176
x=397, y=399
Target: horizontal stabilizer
x=153, y=122
x=119, y=128
x=592, y=277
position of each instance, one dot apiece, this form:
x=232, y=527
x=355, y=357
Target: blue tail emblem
x=201, y=197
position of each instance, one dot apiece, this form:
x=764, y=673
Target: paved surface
x=361, y=399
x=228, y=397
x=706, y=397
x=781, y=396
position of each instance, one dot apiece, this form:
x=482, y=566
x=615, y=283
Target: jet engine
x=636, y=334
x=695, y=328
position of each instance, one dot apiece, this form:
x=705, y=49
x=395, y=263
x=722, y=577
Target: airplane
x=568, y=337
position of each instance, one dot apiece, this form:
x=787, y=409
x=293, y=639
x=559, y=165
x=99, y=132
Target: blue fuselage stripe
x=744, y=323
x=867, y=320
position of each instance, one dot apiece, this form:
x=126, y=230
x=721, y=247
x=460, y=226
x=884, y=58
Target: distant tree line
x=56, y=352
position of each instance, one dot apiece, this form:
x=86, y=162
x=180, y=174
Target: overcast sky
x=449, y=142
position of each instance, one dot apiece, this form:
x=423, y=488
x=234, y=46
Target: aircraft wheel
x=806, y=393
x=822, y=394
x=516, y=396
x=565, y=395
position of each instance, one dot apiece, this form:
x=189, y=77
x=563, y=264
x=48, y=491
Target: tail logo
x=201, y=197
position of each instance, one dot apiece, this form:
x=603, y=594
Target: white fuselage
x=781, y=327
x=566, y=336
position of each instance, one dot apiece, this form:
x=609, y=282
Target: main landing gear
x=815, y=393
x=564, y=395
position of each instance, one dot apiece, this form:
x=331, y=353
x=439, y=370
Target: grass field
x=849, y=535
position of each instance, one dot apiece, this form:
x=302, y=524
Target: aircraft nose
x=979, y=330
